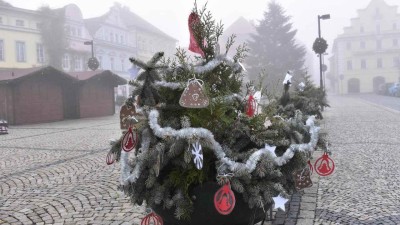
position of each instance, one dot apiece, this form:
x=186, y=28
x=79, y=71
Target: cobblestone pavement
x=56, y=173
x=386, y=101
x=365, y=187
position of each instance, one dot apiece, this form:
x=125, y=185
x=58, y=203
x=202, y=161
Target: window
x=65, y=62
x=116, y=38
x=122, y=65
x=395, y=43
x=396, y=62
x=1, y=20
x=122, y=39
x=1, y=50
x=379, y=63
x=349, y=65
x=73, y=31
x=348, y=45
x=363, y=64
x=378, y=44
x=78, y=63
x=361, y=29
x=112, y=63
x=394, y=26
x=378, y=28
x=362, y=44
x=39, y=53
x=19, y=23
x=111, y=37
x=20, y=49
x=79, y=32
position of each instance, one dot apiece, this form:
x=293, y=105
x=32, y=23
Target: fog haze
x=171, y=16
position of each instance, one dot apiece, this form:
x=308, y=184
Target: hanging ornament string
x=310, y=166
x=251, y=106
x=224, y=198
x=129, y=140
x=194, y=95
x=302, y=179
x=194, y=22
x=110, y=159
x=324, y=166
x=152, y=219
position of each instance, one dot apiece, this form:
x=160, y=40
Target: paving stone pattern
x=55, y=173
x=365, y=187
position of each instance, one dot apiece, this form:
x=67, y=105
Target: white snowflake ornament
x=197, y=153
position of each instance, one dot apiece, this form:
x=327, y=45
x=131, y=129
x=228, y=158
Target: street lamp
x=93, y=63
x=323, y=17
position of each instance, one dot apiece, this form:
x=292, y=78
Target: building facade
x=77, y=53
x=367, y=54
x=20, y=38
x=117, y=35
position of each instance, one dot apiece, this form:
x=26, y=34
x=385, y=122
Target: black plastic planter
x=204, y=212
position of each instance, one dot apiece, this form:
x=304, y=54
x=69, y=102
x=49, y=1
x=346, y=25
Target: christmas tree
x=274, y=46
x=193, y=124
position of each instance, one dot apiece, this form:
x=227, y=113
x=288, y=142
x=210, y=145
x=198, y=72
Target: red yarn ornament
x=129, y=141
x=324, y=166
x=194, y=21
x=251, y=106
x=152, y=219
x=224, y=200
x=110, y=159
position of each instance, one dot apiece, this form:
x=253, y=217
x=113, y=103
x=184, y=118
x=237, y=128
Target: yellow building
x=367, y=54
x=20, y=39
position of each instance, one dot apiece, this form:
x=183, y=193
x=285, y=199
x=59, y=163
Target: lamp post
x=93, y=63
x=323, y=17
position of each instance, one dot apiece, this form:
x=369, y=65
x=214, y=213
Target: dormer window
x=19, y=23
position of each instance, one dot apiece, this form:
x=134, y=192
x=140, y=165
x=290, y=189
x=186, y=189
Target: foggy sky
x=171, y=15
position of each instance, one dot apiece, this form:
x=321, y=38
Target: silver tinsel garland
x=208, y=137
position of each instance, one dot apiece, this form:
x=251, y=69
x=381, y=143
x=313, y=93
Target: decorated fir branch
x=206, y=136
x=189, y=126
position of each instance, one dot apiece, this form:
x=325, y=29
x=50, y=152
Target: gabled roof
x=98, y=74
x=130, y=19
x=133, y=20
x=10, y=75
x=240, y=26
x=93, y=24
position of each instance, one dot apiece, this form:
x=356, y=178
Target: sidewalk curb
x=380, y=106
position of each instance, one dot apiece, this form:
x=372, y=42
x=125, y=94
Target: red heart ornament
x=224, y=200
x=324, y=166
x=152, y=219
x=129, y=141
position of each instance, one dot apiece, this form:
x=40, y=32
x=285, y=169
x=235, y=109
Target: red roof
x=86, y=75
x=11, y=74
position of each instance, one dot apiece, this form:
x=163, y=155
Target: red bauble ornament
x=224, y=200
x=110, y=159
x=152, y=219
x=129, y=141
x=251, y=106
x=194, y=20
x=324, y=166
